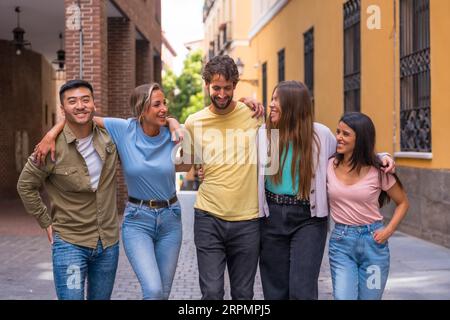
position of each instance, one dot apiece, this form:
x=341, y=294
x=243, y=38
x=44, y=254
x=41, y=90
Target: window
x=352, y=55
x=281, y=65
x=264, y=84
x=415, y=81
x=308, y=38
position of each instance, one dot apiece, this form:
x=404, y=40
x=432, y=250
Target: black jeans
x=234, y=244
x=292, y=246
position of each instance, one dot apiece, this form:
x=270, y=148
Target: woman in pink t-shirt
x=357, y=188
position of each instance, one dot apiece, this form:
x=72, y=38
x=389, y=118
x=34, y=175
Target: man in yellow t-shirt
x=222, y=138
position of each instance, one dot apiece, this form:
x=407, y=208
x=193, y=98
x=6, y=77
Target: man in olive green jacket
x=82, y=223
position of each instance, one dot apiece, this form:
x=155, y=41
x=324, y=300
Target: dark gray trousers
x=292, y=246
x=222, y=243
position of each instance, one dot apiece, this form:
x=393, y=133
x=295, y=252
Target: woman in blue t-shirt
x=151, y=229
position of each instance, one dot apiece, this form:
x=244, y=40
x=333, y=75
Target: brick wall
x=111, y=54
x=146, y=15
x=143, y=14
x=121, y=66
x=143, y=62
x=121, y=79
x=157, y=66
x=95, y=54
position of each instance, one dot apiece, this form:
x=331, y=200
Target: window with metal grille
x=415, y=80
x=281, y=65
x=264, y=83
x=352, y=55
x=308, y=38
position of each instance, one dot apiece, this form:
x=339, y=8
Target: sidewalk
x=419, y=269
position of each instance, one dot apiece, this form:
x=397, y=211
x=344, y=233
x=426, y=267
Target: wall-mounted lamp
x=19, y=42
x=240, y=66
x=60, y=54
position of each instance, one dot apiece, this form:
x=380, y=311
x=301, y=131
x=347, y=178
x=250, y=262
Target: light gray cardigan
x=318, y=196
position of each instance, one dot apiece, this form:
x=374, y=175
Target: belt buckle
x=152, y=204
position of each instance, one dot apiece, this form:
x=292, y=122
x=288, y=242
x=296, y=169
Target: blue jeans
x=359, y=265
x=152, y=241
x=73, y=264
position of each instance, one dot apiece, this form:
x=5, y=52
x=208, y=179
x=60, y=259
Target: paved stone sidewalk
x=419, y=269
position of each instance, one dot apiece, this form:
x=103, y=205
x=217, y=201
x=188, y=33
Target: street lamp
x=19, y=41
x=240, y=66
x=60, y=54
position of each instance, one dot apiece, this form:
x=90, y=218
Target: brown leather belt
x=154, y=204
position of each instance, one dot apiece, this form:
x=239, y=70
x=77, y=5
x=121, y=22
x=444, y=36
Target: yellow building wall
x=440, y=84
x=379, y=94
x=286, y=31
x=238, y=15
x=241, y=20
x=380, y=74
x=328, y=63
x=245, y=88
x=378, y=71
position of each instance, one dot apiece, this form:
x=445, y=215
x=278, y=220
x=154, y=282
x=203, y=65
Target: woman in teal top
x=286, y=186
x=290, y=231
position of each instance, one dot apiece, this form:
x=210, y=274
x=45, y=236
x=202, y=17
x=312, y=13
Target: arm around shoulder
x=99, y=122
x=327, y=139
x=48, y=144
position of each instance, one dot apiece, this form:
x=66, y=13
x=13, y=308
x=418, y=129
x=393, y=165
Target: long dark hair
x=364, y=152
x=296, y=126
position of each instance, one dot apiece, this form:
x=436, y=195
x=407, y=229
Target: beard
x=221, y=106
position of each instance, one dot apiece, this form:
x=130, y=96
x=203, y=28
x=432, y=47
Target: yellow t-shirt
x=226, y=147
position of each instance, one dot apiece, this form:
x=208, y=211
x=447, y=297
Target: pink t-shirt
x=356, y=204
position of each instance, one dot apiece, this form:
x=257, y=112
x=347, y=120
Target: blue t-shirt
x=146, y=161
x=286, y=186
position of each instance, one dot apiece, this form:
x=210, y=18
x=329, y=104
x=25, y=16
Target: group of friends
x=246, y=213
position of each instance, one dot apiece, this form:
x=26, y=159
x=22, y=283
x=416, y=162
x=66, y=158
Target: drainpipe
x=81, y=42
x=394, y=109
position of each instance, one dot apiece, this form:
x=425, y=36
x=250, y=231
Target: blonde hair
x=141, y=97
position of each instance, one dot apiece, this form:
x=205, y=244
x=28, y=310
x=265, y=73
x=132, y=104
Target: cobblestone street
x=419, y=270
